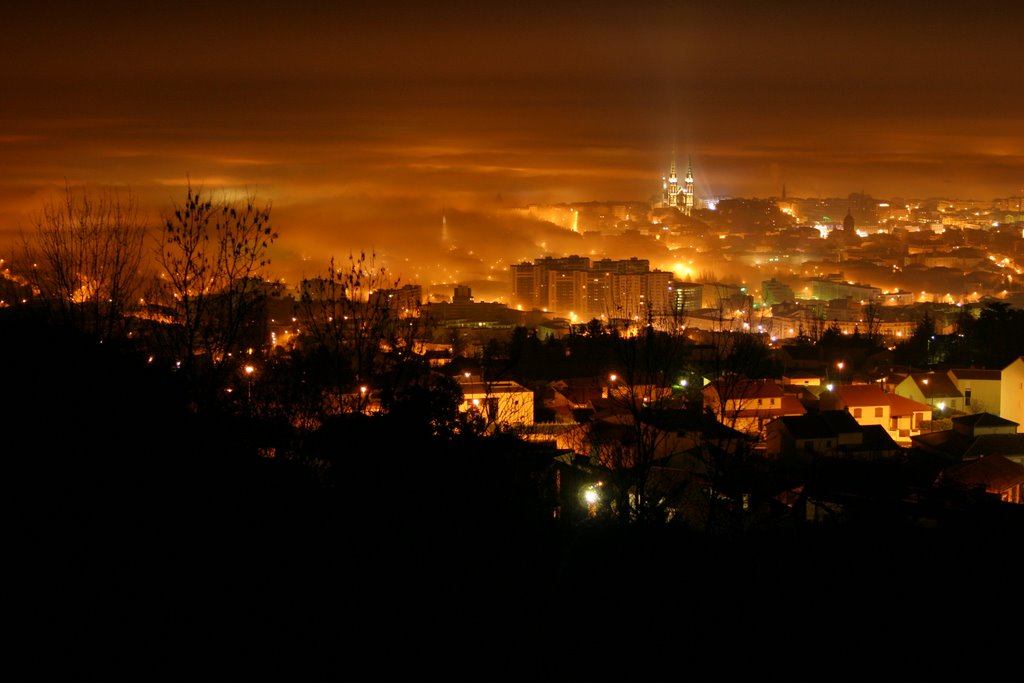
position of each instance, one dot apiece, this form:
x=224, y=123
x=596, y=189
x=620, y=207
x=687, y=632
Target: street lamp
x=248, y=375
x=590, y=497
x=607, y=392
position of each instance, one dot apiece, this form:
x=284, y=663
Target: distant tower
x=687, y=204
x=671, y=189
x=444, y=225
x=848, y=222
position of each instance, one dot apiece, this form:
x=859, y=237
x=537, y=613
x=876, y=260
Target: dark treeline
x=152, y=539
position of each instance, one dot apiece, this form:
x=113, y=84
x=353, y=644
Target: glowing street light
x=590, y=497
x=249, y=370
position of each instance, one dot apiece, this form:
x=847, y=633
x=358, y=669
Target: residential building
x=932, y=388
x=775, y=292
x=996, y=474
x=901, y=417
x=801, y=378
x=504, y=403
x=829, y=432
x=1011, y=392
x=980, y=389
x=975, y=436
x=748, y=405
x=827, y=290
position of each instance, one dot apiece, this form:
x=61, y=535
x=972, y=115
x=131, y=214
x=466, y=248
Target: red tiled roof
x=976, y=373
x=861, y=395
x=936, y=385
x=868, y=395
x=995, y=472
x=900, y=405
x=791, y=405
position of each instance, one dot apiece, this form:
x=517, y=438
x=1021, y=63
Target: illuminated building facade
x=687, y=206
x=686, y=296
x=574, y=287
x=404, y=300
x=567, y=291
x=525, y=286
x=670, y=187
x=775, y=292
x=675, y=194
x=827, y=290
x=503, y=403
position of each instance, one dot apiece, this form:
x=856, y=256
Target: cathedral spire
x=670, y=188
x=687, y=203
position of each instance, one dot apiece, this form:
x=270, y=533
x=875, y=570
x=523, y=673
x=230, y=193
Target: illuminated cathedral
x=676, y=194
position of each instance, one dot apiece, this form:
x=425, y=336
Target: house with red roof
x=748, y=405
x=997, y=475
x=901, y=417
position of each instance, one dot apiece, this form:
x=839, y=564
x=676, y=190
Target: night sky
x=363, y=123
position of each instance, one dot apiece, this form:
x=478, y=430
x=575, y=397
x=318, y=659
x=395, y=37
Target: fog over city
x=365, y=127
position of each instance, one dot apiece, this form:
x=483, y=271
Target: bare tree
x=663, y=455
x=83, y=257
x=213, y=252
x=631, y=440
x=364, y=325
x=873, y=323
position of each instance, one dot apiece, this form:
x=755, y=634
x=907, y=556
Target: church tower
x=670, y=189
x=687, y=203
x=848, y=221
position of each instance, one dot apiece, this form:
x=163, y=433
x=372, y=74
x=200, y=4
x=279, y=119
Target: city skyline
x=361, y=127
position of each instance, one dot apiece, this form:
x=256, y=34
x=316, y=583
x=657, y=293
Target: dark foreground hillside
x=149, y=543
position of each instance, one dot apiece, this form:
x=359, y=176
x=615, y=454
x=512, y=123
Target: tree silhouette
x=83, y=258
x=357, y=320
x=213, y=251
